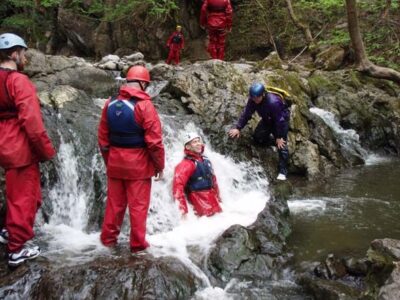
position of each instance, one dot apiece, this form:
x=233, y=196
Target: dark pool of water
x=343, y=215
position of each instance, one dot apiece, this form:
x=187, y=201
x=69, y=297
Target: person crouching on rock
x=194, y=178
x=175, y=43
x=274, y=124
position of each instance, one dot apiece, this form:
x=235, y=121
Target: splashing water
x=348, y=138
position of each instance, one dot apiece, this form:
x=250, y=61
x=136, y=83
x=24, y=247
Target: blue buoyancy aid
x=177, y=38
x=124, y=132
x=202, y=177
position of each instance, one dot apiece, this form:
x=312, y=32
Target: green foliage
x=17, y=21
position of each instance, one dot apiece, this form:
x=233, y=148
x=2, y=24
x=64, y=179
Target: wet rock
x=253, y=252
x=128, y=276
x=324, y=289
x=391, y=288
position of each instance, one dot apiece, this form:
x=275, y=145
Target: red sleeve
x=216, y=187
x=23, y=92
x=102, y=133
x=147, y=117
x=229, y=14
x=183, y=42
x=182, y=173
x=203, y=14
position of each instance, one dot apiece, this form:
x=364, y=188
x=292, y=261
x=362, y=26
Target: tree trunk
x=385, y=13
x=299, y=24
x=363, y=64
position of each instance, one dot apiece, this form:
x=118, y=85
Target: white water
x=243, y=191
x=348, y=138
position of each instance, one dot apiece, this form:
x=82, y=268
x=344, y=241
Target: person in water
x=130, y=140
x=195, y=180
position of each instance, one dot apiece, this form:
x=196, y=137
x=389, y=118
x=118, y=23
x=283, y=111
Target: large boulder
x=112, y=277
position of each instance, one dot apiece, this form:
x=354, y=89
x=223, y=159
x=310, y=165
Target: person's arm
x=103, y=134
x=228, y=14
x=246, y=114
x=216, y=187
x=182, y=42
x=203, y=14
x=147, y=117
x=23, y=92
x=182, y=173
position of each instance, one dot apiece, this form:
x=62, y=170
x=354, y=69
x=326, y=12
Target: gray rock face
x=48, y=72
x=130, y=277
x=375, y=277
x=253, y=252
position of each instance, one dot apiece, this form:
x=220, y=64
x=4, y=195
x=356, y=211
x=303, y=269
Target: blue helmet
x=256, y=90
x=9, y=40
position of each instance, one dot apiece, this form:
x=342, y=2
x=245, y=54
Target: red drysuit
x=205, y=202
x=129, y=171
x=175, y=43
x=23, y=144
x=216, y=16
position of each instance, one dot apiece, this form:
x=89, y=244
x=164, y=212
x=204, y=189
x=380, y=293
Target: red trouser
x=23, y=199
x=174, y=54
x=216, y=43
x=135, y=194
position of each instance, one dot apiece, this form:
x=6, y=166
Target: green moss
x=320, y=85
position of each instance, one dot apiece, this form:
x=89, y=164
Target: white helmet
x=9, y=40
x=190, y=137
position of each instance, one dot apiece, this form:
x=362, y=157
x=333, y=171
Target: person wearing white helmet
x=195, y=180
x=23, y=144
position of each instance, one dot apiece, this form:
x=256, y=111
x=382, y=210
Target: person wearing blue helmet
x=274, y=124
x=23, y=144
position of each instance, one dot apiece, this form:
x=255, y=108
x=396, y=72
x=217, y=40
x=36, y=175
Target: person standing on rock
x=175, y=43
x=130, y=140
x=274, y=124
x=194, y=177
x=23, y=144
x=216, y=16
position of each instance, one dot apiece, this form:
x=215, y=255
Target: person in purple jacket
x=274, y=124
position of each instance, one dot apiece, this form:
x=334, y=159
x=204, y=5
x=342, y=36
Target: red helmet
x=138, y=73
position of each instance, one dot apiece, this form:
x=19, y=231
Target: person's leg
x=221, y=45
x=115, y=210
x=138, y=200
x=22, y=192
x=170, y=56
x=212, y=43
x=263, y=135
x=176, y=56
x=284, y=156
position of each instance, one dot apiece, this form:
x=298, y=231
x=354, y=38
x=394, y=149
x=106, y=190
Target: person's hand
x=234, y=133
x=159, y=175
x=184, y=217
x=280, y=143
x=202, y=27
x=228, y=30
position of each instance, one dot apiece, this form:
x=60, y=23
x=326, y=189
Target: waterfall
x=348, y=139
x=243, y=187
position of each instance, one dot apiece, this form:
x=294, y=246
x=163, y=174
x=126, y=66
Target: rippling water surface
x=345, y=214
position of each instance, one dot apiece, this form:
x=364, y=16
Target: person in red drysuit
x=194, y=177
x=130, y=140
x=175, y=43
x=216, y=16
x=23, y=144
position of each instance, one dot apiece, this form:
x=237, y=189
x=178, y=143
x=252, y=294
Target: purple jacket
x=272, y=110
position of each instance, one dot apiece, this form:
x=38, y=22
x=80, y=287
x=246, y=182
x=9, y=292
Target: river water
x=344, y=214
